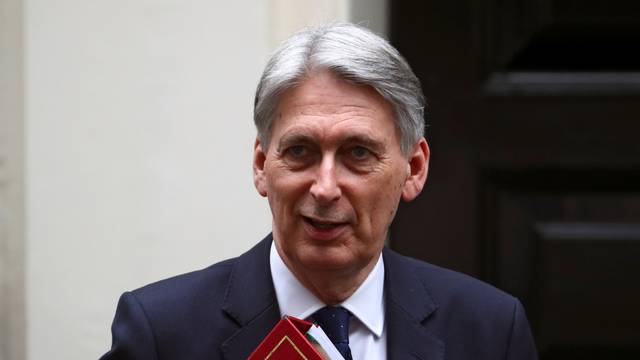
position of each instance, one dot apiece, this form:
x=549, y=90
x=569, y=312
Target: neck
x=332, y=287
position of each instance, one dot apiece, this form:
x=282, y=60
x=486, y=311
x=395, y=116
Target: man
x=340, y=141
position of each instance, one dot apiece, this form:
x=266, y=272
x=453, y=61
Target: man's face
x=334, y=174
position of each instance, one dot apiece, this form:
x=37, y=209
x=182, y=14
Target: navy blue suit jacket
x=224, y=311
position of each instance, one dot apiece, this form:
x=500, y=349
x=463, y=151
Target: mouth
x=322, y=224
x=324, y=229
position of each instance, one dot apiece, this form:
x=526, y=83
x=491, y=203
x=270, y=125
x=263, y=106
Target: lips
x=322, y=224
x=322, y=229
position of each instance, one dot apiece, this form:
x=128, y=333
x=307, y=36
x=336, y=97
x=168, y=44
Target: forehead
x=324, y=103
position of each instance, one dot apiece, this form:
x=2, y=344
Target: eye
x=297, y=151
x=360, y=153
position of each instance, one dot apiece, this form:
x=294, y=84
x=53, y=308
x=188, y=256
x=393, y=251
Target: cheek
x=376, y=206
x=285, y=190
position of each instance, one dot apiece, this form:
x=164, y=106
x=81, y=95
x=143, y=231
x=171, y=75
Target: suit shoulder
x=475, y=320
x=197, y=290
x=205, y=283
x=452, y=288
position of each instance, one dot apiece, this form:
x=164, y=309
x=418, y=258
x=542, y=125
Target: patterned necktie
x=334, y=321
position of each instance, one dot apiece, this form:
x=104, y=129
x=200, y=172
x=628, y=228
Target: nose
x=325, y=188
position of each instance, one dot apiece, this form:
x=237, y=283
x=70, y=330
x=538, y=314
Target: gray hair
x=353, y=53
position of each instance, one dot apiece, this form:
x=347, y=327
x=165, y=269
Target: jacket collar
x=409, y=305
x=250, y=301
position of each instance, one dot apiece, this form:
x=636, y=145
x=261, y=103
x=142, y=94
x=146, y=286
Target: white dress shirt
x=367, y=333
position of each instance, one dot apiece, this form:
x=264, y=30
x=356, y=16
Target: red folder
x=287, y=341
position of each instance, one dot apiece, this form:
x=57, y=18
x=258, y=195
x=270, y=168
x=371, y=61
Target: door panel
x=534, y=180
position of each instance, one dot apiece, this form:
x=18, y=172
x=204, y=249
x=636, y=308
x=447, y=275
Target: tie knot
x=334, y=321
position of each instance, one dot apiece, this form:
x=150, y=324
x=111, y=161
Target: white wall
x=138, y=139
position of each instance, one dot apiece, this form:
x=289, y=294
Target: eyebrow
x=293, y=138
x=375, y=145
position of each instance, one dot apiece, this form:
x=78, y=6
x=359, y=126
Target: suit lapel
x=408, y=307
x=251, y=301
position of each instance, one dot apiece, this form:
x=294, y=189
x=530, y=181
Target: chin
x=327, y=260
x=335, y=259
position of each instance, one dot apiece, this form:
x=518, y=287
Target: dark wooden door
x=534, y=184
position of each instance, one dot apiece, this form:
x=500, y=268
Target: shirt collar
x=366, y=303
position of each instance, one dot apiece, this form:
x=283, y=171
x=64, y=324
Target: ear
x=417, y=169
x=259, y=158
